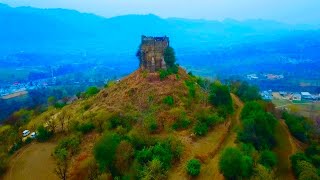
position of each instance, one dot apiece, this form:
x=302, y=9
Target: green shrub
x=201, y=129
x=306, y=171
x=206, y=120
x=4, y=162
x=169, y=57
x=85, y=127
x=220, y=96
x=295, y=159
x=161, y=151
x=91, y=91
x=28, y=140
x=191, y=88
x=151, y=123
x=117, y=120
x=43, y=134
x=59, y=105
x=163, y=74
x=233, y=164
x=168, y=100
x=263, y=124
x=245, y=91
x=16, y=146
x=298, y=126
x=268, y=159
x=209, y=118
x=181, y=123
x=105, y=151
x=193, y=167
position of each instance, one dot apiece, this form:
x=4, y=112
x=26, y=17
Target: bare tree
x=49, y=121
x=61, y=157
x=63, y=117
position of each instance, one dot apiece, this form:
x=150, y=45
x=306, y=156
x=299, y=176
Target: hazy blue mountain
x=67, y=31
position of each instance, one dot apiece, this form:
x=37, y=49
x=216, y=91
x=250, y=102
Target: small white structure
x=33, y=135
x=306, y=95
x=25, y=133
x=296, y=97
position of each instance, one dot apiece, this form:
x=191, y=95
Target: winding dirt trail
x=286, y=146
x=208, y=148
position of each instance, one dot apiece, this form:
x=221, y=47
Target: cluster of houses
x=306, y=96
x=9, y=91
x=265, y=76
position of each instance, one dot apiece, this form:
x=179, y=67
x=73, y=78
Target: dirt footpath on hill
x=208, y=148
x=32, y=162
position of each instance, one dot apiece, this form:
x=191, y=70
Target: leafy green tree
x=295, y=159
x=268, y=159
x=153, y=170
x=168, y=100
x=306, y=171
x=105, y=151
x=201, y=129
x=245, y=91
x=299, y=126
x=91, y=91
x=262, y=173
x=43, y=134
x=52, y=101
x=85, y=127
x=250, y=109
x=169, y=57
x=193, y=167
x=258, y=127
x=220, y=96
x=233, y=164
x=181, y=123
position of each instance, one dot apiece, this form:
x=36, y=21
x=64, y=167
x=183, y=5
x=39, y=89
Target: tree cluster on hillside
x=245, y=91
x=254, y=158
x=115, y=154
x=258, y=126
x=300, y=127
x=220, y=97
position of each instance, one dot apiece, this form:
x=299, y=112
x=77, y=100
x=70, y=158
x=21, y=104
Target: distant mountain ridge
x=67, y=31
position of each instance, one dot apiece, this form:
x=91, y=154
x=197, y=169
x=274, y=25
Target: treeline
x=254, y=157
x=306, y=165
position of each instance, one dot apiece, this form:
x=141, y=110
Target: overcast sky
x=290, y=11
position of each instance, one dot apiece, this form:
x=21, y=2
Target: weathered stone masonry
x=151, y=53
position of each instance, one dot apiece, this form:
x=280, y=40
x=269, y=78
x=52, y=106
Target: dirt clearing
x=32, y=162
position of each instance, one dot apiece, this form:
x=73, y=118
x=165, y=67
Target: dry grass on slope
x=139, y=88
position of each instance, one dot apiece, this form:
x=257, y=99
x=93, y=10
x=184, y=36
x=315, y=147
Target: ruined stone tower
x=151, y=53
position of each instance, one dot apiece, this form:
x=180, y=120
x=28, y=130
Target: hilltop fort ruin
x=151, y=53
